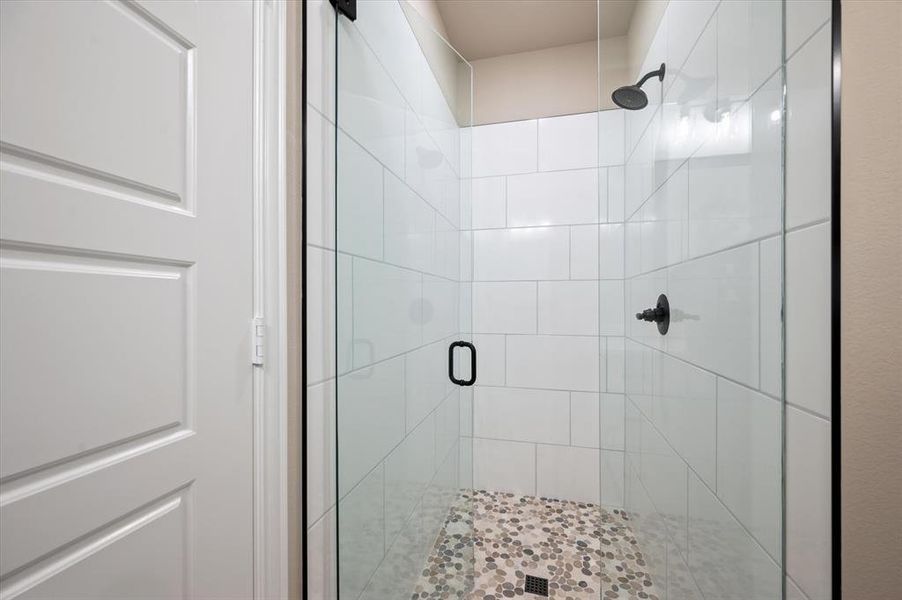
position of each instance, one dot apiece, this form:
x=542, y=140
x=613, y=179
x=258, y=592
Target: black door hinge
x=346, y=7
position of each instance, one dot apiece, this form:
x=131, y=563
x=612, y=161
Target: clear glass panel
x=402, y=220
x=683, y=432
x=703, y=207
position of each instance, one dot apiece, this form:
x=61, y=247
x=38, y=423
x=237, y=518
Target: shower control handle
x=660, y=314
x=652, y=314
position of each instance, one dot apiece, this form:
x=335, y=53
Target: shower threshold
x=491, y=541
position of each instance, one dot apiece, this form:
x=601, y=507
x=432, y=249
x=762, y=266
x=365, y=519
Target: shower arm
x=659, y=74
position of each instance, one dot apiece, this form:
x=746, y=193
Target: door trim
x=270, y=460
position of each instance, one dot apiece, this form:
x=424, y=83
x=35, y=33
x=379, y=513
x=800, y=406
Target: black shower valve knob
x=660, y=314
x=655, y=315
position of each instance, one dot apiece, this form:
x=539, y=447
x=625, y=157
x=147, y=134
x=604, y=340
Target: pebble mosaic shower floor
x=585, y=551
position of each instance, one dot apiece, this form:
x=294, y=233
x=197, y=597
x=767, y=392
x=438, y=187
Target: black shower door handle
x=472, y=348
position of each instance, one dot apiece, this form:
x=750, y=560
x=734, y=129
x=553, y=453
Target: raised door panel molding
x=108, y=94
x=91, y=386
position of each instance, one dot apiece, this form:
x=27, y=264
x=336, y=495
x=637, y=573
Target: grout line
x=384, y=263
x=805, y=226
x=385, y=554
x=743, y=244
x=381, y=462
x=353, y=370
x=691, y=471
x=807, y=39
x=402, y=178
x=407, y=106
x=321, y=517
x=544, y=280
x=703, y=369
x=791, y=578
x=692, y=154
x=540, y=389
x=678, y=68
x=809, y=412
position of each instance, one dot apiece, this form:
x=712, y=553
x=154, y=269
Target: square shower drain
x=536, y=585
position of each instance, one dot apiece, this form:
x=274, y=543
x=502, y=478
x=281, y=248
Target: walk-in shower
x=511, y=418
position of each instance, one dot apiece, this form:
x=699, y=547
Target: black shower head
x=631, y=97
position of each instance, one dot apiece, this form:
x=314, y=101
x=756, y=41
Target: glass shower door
x=402, y=162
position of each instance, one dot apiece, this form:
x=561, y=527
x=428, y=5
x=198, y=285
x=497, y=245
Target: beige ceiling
x=486, y=28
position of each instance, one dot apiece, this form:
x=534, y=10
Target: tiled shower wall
x=704, y=213
x=398, y=252
x=808, y=377
x=547, y=216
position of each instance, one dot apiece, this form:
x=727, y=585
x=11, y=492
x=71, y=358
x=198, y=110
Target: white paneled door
x=127, y=283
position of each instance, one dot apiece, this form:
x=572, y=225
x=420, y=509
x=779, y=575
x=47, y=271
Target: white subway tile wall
x=504, y=466
x=569, y=142
x=548, y=305
x=807, y=257
x=505, y=148
x=578, y=222
x=532, y=415
x=704, y=214
x=567, y=472
x=555, y=198
x=807, y=140
x=808, y=517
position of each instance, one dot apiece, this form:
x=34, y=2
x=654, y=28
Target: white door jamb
x=270, y=302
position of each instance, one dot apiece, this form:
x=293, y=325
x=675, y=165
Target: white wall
x=547, y=199
x=398, y=252
x=704, y=218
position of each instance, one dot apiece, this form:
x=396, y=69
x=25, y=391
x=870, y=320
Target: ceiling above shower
x=497, y=27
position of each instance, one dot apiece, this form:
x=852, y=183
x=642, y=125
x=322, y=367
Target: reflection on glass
x=403, y=465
